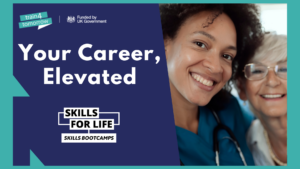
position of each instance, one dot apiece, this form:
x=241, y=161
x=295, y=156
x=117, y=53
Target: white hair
x=273, y=48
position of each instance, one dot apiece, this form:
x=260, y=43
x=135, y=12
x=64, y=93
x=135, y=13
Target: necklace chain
x=271, y=151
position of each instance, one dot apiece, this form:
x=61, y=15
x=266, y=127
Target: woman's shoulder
x=233, y=115
x=231, y=103
x=255, y=132
x=258, y=145
x=234, y=108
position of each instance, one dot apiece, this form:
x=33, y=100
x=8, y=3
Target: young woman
x=263, y=82
x=203, y=42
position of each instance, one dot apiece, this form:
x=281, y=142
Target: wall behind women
x=274, y=17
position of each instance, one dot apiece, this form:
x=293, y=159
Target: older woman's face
x=199, y=59
x=269, y=95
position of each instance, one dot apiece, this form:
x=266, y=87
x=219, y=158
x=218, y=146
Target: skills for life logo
x=88, y=118
x=35, y=19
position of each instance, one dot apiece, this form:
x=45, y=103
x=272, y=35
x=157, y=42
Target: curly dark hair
x=248, y=30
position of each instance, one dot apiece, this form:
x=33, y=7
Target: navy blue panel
x=146, y=134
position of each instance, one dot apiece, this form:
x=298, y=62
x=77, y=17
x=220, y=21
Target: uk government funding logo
x=71, y=19
x=85, y=19
x=89, y=119
x=35, y=19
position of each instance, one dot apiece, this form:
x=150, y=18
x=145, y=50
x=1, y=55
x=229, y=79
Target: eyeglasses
x=256, y=71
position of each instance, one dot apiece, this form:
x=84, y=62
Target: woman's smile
x=273, y=97
x=202, y=82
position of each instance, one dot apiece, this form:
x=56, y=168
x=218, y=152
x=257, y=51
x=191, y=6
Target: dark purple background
x=146, y=135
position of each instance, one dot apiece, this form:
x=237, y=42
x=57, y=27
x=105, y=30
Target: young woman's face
x=199, y=59
x=268, y=96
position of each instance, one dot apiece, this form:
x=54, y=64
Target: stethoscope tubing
x=219, y=127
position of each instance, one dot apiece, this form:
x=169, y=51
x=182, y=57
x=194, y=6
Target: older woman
x=264, y=84
x=202, y=44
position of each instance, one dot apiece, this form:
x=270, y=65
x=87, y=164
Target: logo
x=35, y=19
x=88, y=119
x=71, y=19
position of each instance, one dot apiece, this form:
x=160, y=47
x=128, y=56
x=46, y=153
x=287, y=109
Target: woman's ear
x=242, y=89
x=167, y=42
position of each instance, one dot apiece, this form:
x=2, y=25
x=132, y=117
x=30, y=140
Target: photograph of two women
x=227, y=67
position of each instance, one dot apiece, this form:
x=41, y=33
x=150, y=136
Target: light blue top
x=197, y=149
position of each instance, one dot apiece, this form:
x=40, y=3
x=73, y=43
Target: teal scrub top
x=197, y=149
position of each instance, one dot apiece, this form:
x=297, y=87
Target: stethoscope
x=219, y=127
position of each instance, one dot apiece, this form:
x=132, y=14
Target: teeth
x=272, y=96
x=202, y=80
